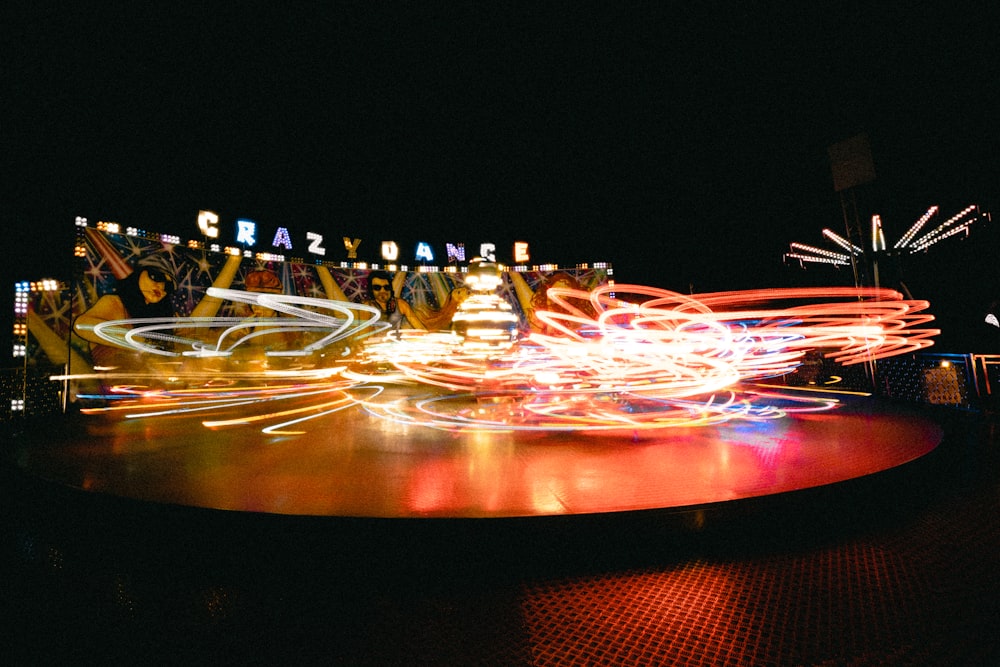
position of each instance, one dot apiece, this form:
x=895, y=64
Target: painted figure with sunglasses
x=262, y=333
x=144, y=293
x=381, y=294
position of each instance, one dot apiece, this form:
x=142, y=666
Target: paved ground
x=897, y=568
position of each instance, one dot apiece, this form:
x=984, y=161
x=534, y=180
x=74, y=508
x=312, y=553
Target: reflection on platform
x=355, y=463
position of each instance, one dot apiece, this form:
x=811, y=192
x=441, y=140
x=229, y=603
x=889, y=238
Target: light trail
x=617, y=358
x=189, y=336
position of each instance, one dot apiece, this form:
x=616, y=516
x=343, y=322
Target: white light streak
x=931, y=237
x=842, y=242
x=878, y=237
x=917, y=226
x=817, y=260
x=964, y=227
x=656, y=359
x=948, y=228
x=820, y=252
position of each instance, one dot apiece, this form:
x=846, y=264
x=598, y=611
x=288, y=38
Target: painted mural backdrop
x=153, y=328
x=192, y=286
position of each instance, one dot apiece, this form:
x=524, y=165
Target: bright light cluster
x=22, y=295
x=622, y=357
x=46, y=285
x=108, y=227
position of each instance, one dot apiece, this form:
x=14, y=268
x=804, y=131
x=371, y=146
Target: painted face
x=154, y=285
x=382, y=291
x=460, y=294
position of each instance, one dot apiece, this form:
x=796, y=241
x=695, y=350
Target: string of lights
x=908, y=244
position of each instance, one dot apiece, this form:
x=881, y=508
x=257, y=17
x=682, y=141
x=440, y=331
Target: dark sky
x=686, y=145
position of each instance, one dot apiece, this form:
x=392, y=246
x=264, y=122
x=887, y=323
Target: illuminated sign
x=246, y=235
x=315, y=241
x=246, y=232
x=352, y=247
x=424, y=252
x=521, y=252
x=282, y=239
x=208, y=224
x=455, y=251
x=390, y=251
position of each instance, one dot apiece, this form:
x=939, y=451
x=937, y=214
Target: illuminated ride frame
x=473, y=356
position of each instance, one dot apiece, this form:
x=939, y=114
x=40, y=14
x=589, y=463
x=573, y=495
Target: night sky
x=686, y=146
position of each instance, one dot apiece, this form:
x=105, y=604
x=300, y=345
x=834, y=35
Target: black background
x=688, y=146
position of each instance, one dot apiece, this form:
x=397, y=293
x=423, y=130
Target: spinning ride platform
x=353, y=463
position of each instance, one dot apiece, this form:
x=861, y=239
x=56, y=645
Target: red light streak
x=661, y=360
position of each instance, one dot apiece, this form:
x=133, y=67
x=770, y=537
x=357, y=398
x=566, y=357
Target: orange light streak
x=620, y=357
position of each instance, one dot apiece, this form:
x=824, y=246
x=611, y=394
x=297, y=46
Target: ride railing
x=986, y=376
x=963, y=381
x=29, y=392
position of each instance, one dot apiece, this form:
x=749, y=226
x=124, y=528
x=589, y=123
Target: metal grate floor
x=858, y=604
x=897, y=570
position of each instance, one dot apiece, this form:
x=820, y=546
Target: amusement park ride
x=305, y=365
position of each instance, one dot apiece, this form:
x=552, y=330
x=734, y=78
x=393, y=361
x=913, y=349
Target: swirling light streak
x=656, y=359
x=349, y=401
x=285, y=304
x=141, y=402
x=683, y=345
x=669, y=348
x=202, y=380
x=871, y=324
x=171, y=336
x=261, y=395
x=555, y=413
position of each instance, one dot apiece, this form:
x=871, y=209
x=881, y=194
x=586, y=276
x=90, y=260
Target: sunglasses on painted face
x=379, y=288
x=160, y=277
